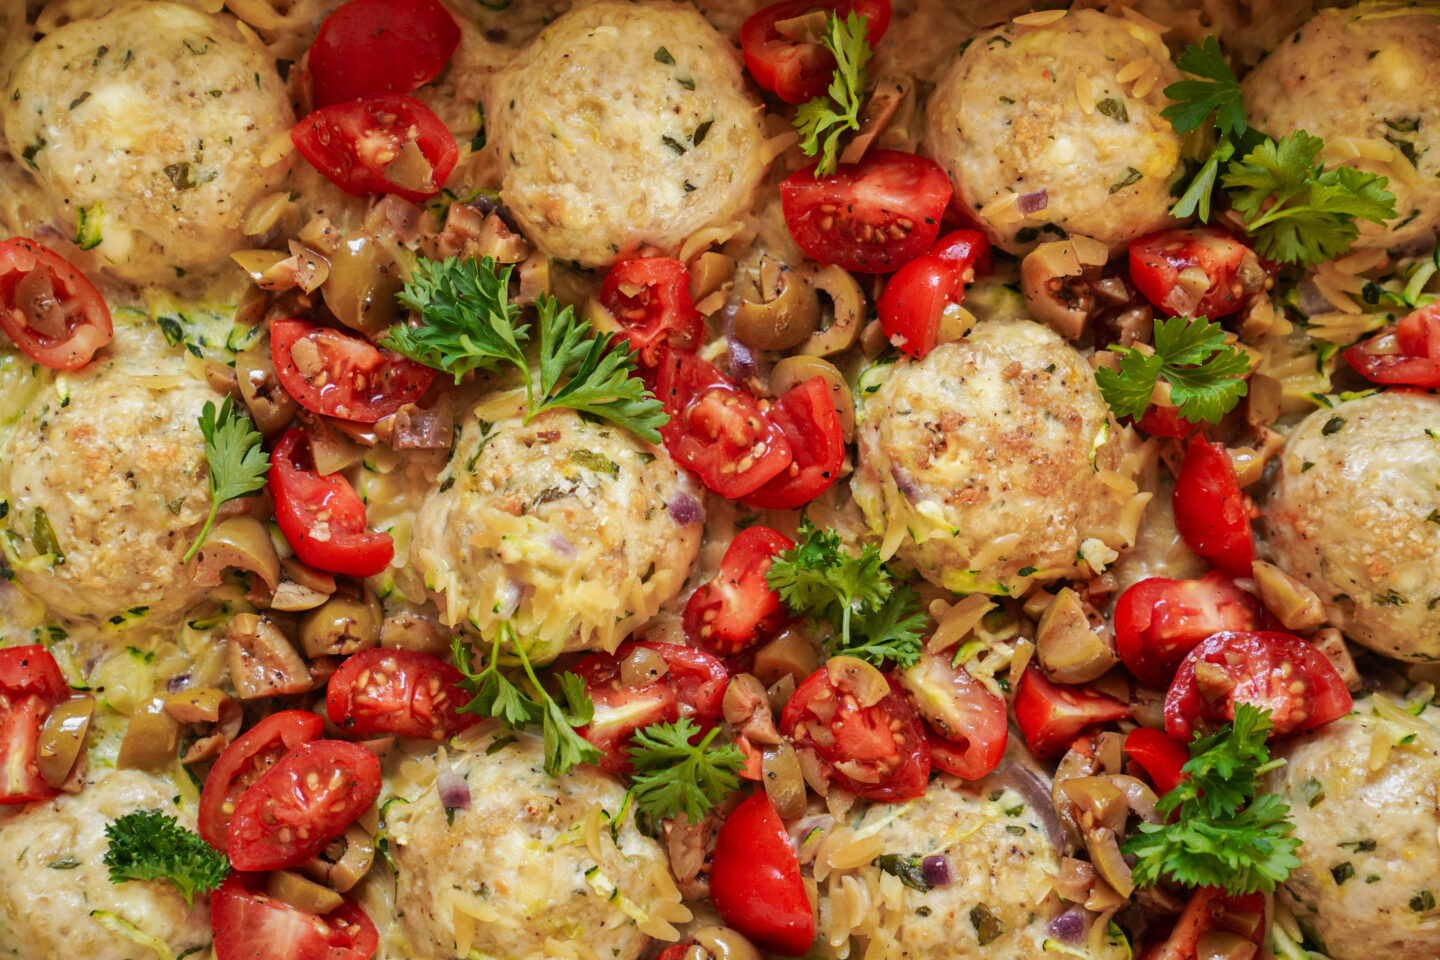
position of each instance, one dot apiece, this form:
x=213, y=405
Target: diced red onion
x=453, y=789
x=906, y=484
x=510, y=599
x=1072, y=925
x=563, y=546
x=742, y=360
x=1033, y=202
x=177, y=683
x=1036, y=792
x=685, y=509
x=936, y=870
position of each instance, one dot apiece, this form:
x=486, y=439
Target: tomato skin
x=650, y=297
x=406, y=692
x=250, y=925
x=715, y=425
x=911, y=305
x=1263, y=668
x=1164, y=422
x=380, y=46
x=809, y=422
x=838, y=218
x=1051, y=716
x=1159, y=620
x=358, y=381
x=1205, y=912
x=1158, y=756
x=31, y=684
x=1417, y=336
x=301, y=495
x=1157, y=260
x=738, y=610
x=1211, y=512
x=755, y=880
x=798, y=71
x=353, y=143
x=83, y=319
x=967, y=726
x=676, y=952
x=243, y=762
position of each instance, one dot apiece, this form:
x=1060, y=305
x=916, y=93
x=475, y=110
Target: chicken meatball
x=147, y=127
x=1041, y=138
x=1360, y=80
x=987, y=462
x=514, y=875
x=625, y=125
x=1369, y=873
x=56, y=898
x=575, y=531
x=1352, y=511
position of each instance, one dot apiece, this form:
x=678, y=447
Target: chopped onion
x=1033, y=202
x=742, y=361
x=454, y=790
x=1072, y=925
x=936, y=870
x=685, y=509
x=563, y=546
x=1036, y=793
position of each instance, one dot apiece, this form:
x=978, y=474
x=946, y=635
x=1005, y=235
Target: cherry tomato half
x=250, y=925
x=341, y=375
x=1409, y=357
x=1158, y=621
x=1211, y=512
x=1210, y=909
x=1169, y=268
x=30, y=686
x=737, y=609
x=807, y=417
x=798, y=70
x=650, y=297
x=967, y=721
x=915, y=298
x=361, y=146
x=380, y=46
x=49, y=308
x=1274, y=671
x=245, y=761
x=874, y=216
x=1051, y=716
x=404, y=692
x=755, y=880
x=873, y=746
x=323, y=518
x=1161, y=421
x=1159, y=756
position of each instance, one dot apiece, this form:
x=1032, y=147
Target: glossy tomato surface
x=808, y=420
x=245, y=761
x=650, y=297
x=380, y=46
x=1209, y=908
x=405, y=692
x=251, y=925
x=968, y=729
x=1052, y=715
x=1408, y=357
x=1159, y=756
x=30, y=686
x=1159, y=620
x=1200, y=272
x=383, y=143
x=737, y=610
x=342, y=375
x=796, y=70
x=323, y=518
x=755, y=880
x=1212, y=513
x=51, y=310
x=915, y=298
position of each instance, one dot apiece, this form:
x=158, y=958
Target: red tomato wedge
x=1051, y=716
x=1201, y=272
x=341, y=375
x=245, y=761
x=1212, y=513
x=915, y=298
x=1210, y=910
x=1164, y=422
x=755, y=880
x=383, y=143
x=1160, y=757
x=737, y=609
x=31, y=684
x=1158, y=621
x=250, y=925
x=796, y=70
x=874, y=216
x=49, y=308
x=650, y=297
x=807, y=418
x=968, y=730
x=1408, y=357
x=404, y=692
x=380, y=46
x=323, y=518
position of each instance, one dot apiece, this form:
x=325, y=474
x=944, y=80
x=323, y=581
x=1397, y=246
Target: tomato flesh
x=650, y=297
x=755, y=880
x=738, y=610
x=360, y=146
x=1159, y=756
x=380, y=46
x=916, y=297
x=1209, y=908
x=341, y=375
x=245, y=761
x=250, y=925
x=1159, y=620
x=49, y=308
x=1212, y=513
x=1168, y=266
x=1051, y=716
x=323, y=518
x=799, y=70
x=404, y=692
x=968, y=730
x=30, y=686
x=810, y=424
x=1409, y=357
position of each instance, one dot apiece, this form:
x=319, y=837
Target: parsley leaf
x=672, y=774
x=148, y=845
x=1218, y=92
x=238, y=464
x=829, y=117
x=1190, y=353
x=1197, y=196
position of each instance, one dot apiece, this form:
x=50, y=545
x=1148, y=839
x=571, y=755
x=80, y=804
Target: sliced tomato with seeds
x=1212, y=513
x=49, y=308
x=755, y=880
x=31, y=685
x=738, y=610
x=382, y=143
x=1210, y=925
x=341, y=375
x=380, y=46
x=797, y=69
x=807, y=417
x=1199, y=272
x=1410, y=356
x=322, y=517
x=1052, y=715
x=650, y=297
x=405, y=692
x=1159, y=620
x=249, y=924
x=968, y=729
x=245, y=761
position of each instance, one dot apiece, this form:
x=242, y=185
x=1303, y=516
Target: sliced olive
x=848, y=309
x=271, y=407
x=242, y=543
x=62, y=737
x=708, y=273
x=790, y=654
x=261, y=660
x=362, y=285
x=796, y=369
x=152, y=739
x=303, y=894
x=342, y=625
x=1072, y=646
x=345, y=861
x=780, y=313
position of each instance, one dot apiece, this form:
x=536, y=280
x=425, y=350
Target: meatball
x=55, y=890
x=114, y=485
x=625, y=125
x=1011, y=123
x=986, y=462
x=517, y=860
x=1369, y=871
x=1353, y=512
x=149, y=124
x=1360, y=80
x=575, y=531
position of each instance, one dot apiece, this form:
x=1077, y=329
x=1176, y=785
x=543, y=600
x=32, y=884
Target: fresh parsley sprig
x=1190, y=353
x=1217, y=92
x=874, y=618
x=148, y=845
x=1225, y=836
x=823, y=120
x=466, y=322
x=238, y=464
x=671, y=774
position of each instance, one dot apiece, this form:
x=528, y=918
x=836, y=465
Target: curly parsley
x=1190, y=353
x=238, y=464
x=823, y=120
x=1217, y=91
x=148, y=845
x=672, y=774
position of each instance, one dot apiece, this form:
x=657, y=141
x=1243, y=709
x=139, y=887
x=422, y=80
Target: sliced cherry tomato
x=798, y=70
x=245, y=761
x=299, y=805
x=916, y=297
x=1209, y=909
x=323, y=518
x=380, y=46
x=251, y=925
x=677, y=952
x=650, y=296
x=1164, y=422
x=754, y=768
x=1159, y=756
x=1409, y=357
x=878, y=751
x=1162, y=264
x=1278, y=672
x=341, y=375
x=404, y=692
x=1158, y=621
x=693, y=686
x=49, y=308
x=1212, y=513
x=31, y=684
x=755, y=880
x=361, y=146
x=967, y=722
x=874, y=216
x=807, y=417
x=1051, y=716
x=737, y=609
x=968, y=251
x=716, y=428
